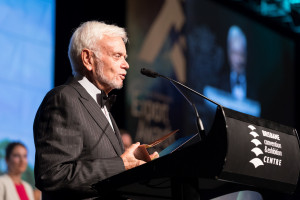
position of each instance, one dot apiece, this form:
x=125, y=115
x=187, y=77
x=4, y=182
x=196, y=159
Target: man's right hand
x=129, y=159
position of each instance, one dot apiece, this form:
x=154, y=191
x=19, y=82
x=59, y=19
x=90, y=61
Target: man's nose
x=125, y=64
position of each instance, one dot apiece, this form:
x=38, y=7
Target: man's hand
x=128, y=157
x=130, y=161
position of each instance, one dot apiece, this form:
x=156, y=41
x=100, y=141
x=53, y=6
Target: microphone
x=152, y=74
x=149, y=73
x=199, y=123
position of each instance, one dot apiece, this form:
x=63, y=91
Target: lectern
x=240, y=152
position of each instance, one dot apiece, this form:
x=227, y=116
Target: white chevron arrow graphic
x=254, y=134
x=251, y=127
x=257, y=151
x=256, y=142
x=256, y=162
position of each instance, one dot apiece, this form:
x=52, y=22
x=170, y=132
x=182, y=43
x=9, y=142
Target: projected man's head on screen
x=232, y=93
x=237, y=57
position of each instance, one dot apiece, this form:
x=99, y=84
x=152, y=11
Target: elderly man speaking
x=77, y=140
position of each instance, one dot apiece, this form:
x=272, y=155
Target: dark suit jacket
x=75, y=144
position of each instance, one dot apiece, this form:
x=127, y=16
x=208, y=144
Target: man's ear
x=87, y=59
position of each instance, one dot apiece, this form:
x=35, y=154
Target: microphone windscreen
x=149, y=73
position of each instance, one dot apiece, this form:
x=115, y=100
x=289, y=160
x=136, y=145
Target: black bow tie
x=104, y=100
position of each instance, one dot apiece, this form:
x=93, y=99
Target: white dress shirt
x=93, y=91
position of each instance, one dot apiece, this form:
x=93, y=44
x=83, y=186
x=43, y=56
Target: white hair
x=235, y=33
x=86, y=36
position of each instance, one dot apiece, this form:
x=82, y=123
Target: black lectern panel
x=261, y=149
x=242, y=150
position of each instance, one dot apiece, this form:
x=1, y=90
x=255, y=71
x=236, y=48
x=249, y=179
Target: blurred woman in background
x=12, y=187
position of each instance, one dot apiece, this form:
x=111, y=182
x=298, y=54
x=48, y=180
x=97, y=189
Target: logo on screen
x=256, y=150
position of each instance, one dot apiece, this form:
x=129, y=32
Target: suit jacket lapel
x=118, y=134
x=95, y=111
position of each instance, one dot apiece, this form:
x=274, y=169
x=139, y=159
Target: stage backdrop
x=157, y=42
x=27, y=68
x=232, y=59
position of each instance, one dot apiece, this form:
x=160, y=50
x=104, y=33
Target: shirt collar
x=89, y=87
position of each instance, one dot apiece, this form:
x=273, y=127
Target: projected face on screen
x=237, y=49
x=236, y=98
x=237, y=57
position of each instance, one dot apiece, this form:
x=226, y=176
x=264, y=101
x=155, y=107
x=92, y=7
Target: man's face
x=237, y=56
x=111, y=65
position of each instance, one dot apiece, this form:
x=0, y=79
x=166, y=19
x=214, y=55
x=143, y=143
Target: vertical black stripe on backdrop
x=296, y=194
x=297, y=83
x=69, y=15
